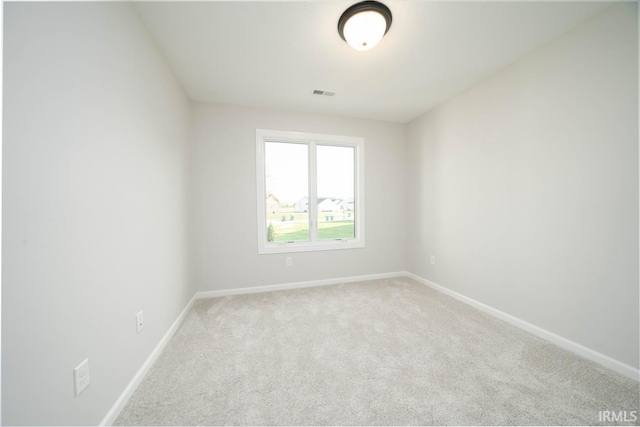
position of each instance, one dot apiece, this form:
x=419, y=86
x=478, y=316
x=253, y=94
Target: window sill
x=332, y=245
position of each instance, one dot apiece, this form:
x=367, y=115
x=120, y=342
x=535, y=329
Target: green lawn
x=295, y=228
x=292, y=236
x=344, y=231
x=328, y=230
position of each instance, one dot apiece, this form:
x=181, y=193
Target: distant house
x=328, y=204
x=273, y=204
x=301, y=205
x=325, y=204
x=347, y=204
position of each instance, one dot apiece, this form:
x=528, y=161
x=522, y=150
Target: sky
x=287, y=171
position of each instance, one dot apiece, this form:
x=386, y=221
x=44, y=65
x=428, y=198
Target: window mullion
x=313, y=193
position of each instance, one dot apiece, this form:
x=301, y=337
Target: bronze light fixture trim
x=364, y=24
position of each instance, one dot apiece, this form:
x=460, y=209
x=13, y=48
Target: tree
x=270, y=233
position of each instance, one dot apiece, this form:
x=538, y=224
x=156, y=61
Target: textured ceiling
x=274, y=54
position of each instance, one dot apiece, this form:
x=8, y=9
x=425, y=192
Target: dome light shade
x=364, y=24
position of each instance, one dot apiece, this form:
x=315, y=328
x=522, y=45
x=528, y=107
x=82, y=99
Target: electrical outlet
x=289, y=261
x=139, y=322
x=433, y=259
x=81, y=376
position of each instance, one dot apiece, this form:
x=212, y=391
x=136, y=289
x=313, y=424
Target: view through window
x=310, y=192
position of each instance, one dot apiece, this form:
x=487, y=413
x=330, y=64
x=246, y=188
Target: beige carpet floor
x=383, y=352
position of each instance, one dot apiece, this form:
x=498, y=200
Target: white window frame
x=311, y=140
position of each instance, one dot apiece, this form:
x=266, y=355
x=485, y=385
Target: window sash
x=312, y=141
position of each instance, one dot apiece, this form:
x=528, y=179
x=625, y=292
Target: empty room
x=320, y=213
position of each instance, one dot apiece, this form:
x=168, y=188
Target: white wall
x=525, y=187
x=1, y=123
x=94, y=221
x=224, y=185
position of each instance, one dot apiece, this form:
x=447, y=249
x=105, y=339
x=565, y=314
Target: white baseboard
x=296, y=285
x=579, y=349
x=117, y=407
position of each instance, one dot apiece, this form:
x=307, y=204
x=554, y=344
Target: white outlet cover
x=81, y=376
x=139, y=322
x=433, y=259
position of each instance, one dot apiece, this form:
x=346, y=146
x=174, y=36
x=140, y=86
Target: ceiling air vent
x=323, y=92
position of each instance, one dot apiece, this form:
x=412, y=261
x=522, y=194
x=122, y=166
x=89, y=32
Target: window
x=310, y=191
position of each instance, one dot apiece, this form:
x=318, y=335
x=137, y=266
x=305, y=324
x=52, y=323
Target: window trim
x=311, y=140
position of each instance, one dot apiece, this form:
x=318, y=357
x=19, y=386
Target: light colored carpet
x=385, y=352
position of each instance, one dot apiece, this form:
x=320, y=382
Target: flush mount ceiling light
x=364, y=24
